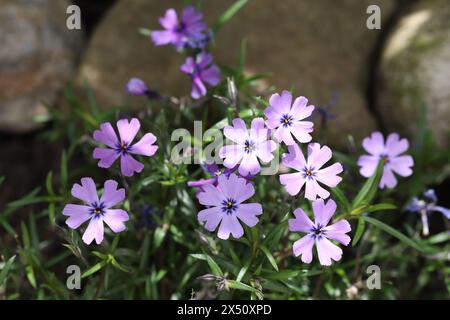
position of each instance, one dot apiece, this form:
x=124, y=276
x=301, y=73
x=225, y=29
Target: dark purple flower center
x=123, y=148
x=318, y=231
x=97, y=209
x=229, y=206
x=249, y=146
x=181, y=27
x=286, y=120
x=309, y=173
x=385, y=157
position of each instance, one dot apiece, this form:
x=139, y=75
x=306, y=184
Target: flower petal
x=318, y=155
x=128, y=130
x=327, y=251
x=115, y=219
x=87, y=191
x=238, y=132
x=293, y=182
x=235, y=187
x=313, y=189
x=111, y=195
x=338, y=230
x=282, y=103
x=248, y=212
x=388, y=179
x=107, y=157
x=301, y=223
x=230, y=224
x=301, y=131
x=212, y=216
x=211, y=75
x=169, y=20
x=323, y=211
x=106, y=135
x=283, y=134
x=402, y=165
x=303, y=248
x=249, y=164
x=129, y=165
x=395, y=145
x=295, y=158
x=210, y=196
x=329, y=175
x=300, y=109
x=264, y=150
x=232, y=155
x=145, y=146
x=77, y=214
x=94, y=230
x=374, y=144
x=368, y=165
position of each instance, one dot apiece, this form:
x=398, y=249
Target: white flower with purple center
x=180, y=32
x=391, y=153
x=319, y=233
x=201, y=70
x=227, y=207
x=96, y=210
x=250, y=145
x=287, y=118
x=123, y=146
x=310, y=172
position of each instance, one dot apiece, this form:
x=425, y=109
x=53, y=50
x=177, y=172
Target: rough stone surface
x=415, y=71
x=37, y=56
x=318, y=47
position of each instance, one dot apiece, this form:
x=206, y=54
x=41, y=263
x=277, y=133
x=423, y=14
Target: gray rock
x=415, y=71
x=37, y=56
x=318, y=47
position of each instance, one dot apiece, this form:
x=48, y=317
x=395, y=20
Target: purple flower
x=95, y=210
x=122, y=147
x=319, y=233
x=179, y=32
x=249, y=146
x=310, y=172
x=201, y=70
x=390, y=151
x=214, y=171
x=287, y=118
x=226, y=207
x=426, y=207
x=136, y=87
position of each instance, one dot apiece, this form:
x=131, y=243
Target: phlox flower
x=287, y=118
x=201, y=70
x=249, y=146
x=180, y=32
x=226, y=206
x=424, y=208
x=310, y=172
x=214, y=171
x=122, y=147
x=319, y=233
x=136, y=87
x=391, y=152
x=96, y=210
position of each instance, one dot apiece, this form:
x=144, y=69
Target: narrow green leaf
x=145, y=32
x=243, y=270
x=369, y=189
x=280, y=275
x=31, y=276
x=341, y=198
x=2, y=179
x=233, y=284
x=388, y=229
x=93, y=269
x=373, y=208
x=269, y=257
x=359, y=231
x=228, y=14
x=6, y=267
x=213, y=266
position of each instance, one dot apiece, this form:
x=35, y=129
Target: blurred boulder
x=37, y=56
x=318, y=47
x=415, y=71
